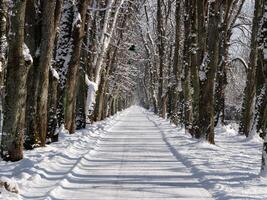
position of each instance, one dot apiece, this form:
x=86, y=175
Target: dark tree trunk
x=52, y=135
x=81, y=101
x=161, y=49
x=206, y=106
x=262, y=122
x=247, y=115
x=46, y=54
x=221, y=79
x=186, y=78
x=33, y=29
x=175, y=93
x=3, y=42
x=72, y=75
x=194, y=67
x=15, y=97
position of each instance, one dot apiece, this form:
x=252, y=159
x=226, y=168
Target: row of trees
x=68, y=63
x=188, y=60
x=65, y=64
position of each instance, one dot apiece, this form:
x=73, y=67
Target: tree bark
x=81, y=101
x=3, y=41
x=186, y=79
x=46, y=49
x=175, y=100
x=100, y=97
x=247, y=115
x=161, y=52
x=63, y=54
x=194, y=67
x=262, y=124
x=15, y=97
x=206, y=106
x=72, y=75
x=52, y=135
x=33, y=29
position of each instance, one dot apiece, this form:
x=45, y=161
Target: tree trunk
x=105, y=103
x=33, y=29
x=221, y=79
x=3, y=50
x=186, y=77
x=161, y=52
x=52, y=135
x=263, y=122
x=81, y=101
x=206, y=106
x=3, y=41
x=194, y=67
x=46, y=54
x=63, y=51
x=247, y=115
x=100, y=97
x=72, y=75
x=175, y=101
x=15, y=97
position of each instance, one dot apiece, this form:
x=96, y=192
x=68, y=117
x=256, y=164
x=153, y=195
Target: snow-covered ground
x=137, y=155
x=228, y=170
x=43, y=169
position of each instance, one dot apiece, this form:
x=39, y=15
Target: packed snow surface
x=137, y=155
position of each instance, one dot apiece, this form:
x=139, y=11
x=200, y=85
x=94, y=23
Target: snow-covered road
x=132, y=161
x=138, y=155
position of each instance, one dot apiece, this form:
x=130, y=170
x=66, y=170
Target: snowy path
x=137, y=155
x=131, y=162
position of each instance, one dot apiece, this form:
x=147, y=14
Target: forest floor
x=137, y=155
